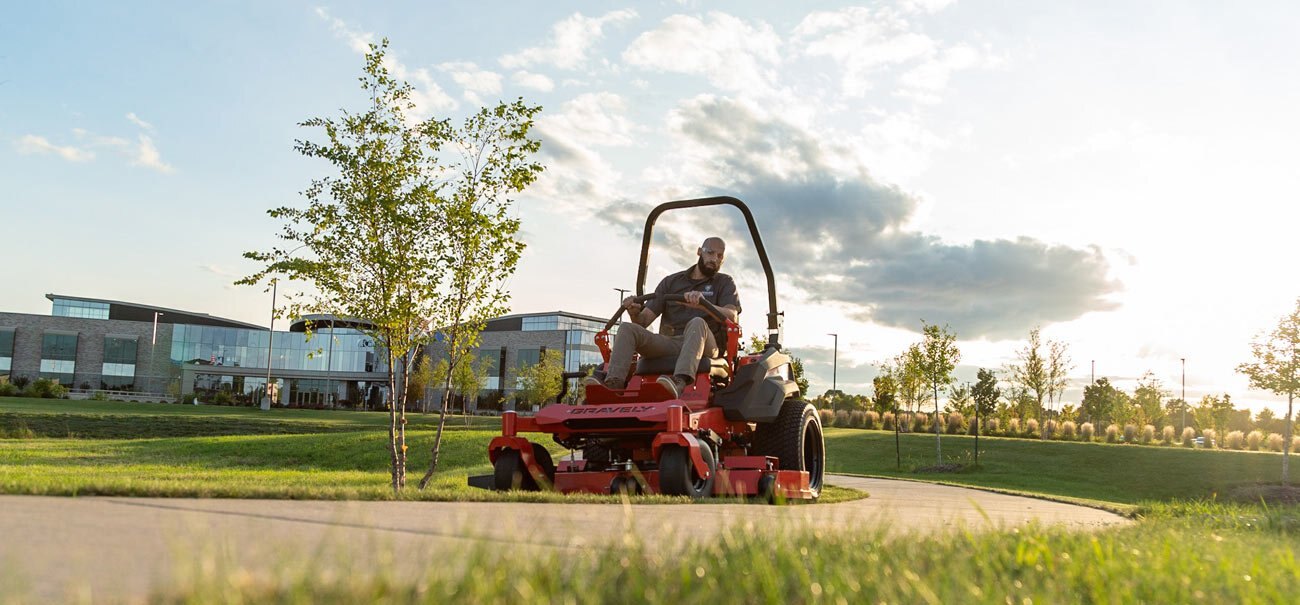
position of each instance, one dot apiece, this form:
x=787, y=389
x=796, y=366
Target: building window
x=118, y=373
x=6, y=352
x=64, y=307
x=59, y=357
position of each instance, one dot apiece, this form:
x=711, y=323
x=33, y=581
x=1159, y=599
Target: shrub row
x=956, y=424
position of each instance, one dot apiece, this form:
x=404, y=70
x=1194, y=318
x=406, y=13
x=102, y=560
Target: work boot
x=612, y=384
x=674, y=384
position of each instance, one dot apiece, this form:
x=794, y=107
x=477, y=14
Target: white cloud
x=924, y=6
x=428, y=96
x=578, y=175
x=138, y=122
x=596, y=119
x=475, y=81
x=570, y=40
x=731, y=54
x=533, y=81
x=33, y=144
x=146, y=154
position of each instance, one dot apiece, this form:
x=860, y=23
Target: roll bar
x=773, y=315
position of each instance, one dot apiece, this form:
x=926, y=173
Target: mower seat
x=665, y=365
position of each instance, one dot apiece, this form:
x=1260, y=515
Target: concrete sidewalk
x=122, y=548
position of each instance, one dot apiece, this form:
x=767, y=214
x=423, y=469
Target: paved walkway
x=118, y=548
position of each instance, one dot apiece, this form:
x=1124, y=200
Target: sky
x=1120, y=175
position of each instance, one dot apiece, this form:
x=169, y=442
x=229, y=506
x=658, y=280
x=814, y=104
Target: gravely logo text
x=611, y=409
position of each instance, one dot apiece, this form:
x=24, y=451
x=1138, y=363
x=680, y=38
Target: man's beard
x=705, y=270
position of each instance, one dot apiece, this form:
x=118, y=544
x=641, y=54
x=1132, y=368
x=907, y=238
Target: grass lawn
x=1112, y=473
x=1188, y=553
x=143, y=449
x=1184, y=549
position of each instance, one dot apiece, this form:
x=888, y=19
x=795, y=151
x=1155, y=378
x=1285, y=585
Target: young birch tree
x=369, y=249
x=939, y=357
x=495, y=161
x=1031, y=373
x=1276, y=368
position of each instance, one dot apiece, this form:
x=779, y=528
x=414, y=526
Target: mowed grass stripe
x=1124, y=474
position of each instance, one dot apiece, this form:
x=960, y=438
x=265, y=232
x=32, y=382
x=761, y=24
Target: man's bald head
x=711, y=254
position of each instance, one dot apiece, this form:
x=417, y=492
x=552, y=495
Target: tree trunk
x=1286, y=441
x=437, y=438
x=938, y=448
x=392, y=435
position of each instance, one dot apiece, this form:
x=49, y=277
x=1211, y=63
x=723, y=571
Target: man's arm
x=639, y=313
x=731, y=312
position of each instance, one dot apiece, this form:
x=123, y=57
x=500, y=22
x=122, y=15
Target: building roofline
x=547, y=313
x=163, y=310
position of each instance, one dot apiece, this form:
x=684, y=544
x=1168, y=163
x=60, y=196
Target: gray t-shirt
x=719, y=290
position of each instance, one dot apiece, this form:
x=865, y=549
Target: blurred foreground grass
x=1243, y=554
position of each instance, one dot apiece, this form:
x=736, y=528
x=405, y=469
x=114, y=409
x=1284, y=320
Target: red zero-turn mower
x=740, y=429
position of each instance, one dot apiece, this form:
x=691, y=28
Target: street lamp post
x=621, y=293
x=153, y=341
x=270, y=344
x=835, y=363
x=1184, y=360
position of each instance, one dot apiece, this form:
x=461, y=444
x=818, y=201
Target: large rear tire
x=677, y=476
x=795, y=438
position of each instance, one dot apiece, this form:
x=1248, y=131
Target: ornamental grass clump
x=1112, y=433
x=841, y=418
x=857, y=419
x=1253, y=440
x=1013, y=427
x=1235, y=440
x=871, y=420
x=1189, y=437
x=1068, y=430
x=920, y=422
x=1130, y=433
x=1031, y=427
x=1087, y=431
x=1167, y=435
x=993, y=426
x=1209, y=436
x=973, y=427
x=955, y=423
x=828, y=417
x=1148, y=434
x=1051, y=429
x=1295, y=443
x=1275, y=442
x=887, y=421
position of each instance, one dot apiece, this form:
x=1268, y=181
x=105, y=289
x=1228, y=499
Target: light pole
x=270, y=344
x=621, y=293
x=1184, y=360
x=153, y=341
x=1094, y=371
x=835, y=364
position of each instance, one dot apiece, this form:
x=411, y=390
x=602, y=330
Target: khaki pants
x=696, y=341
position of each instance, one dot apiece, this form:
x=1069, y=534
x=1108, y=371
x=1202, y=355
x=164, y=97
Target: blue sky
x=1121, y=175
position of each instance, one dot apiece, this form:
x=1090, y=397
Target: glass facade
x=560, y=322
x=6, y=352
x=343, y=350
x=580, y=350
x=118, y=373
x=64, y=307
x=59, y=357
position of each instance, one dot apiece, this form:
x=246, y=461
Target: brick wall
x=152, y=364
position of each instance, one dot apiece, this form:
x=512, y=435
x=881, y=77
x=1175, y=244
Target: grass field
x=138, y=449
x=1112, y=473
x=1187, y=547
x=1176, y=556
